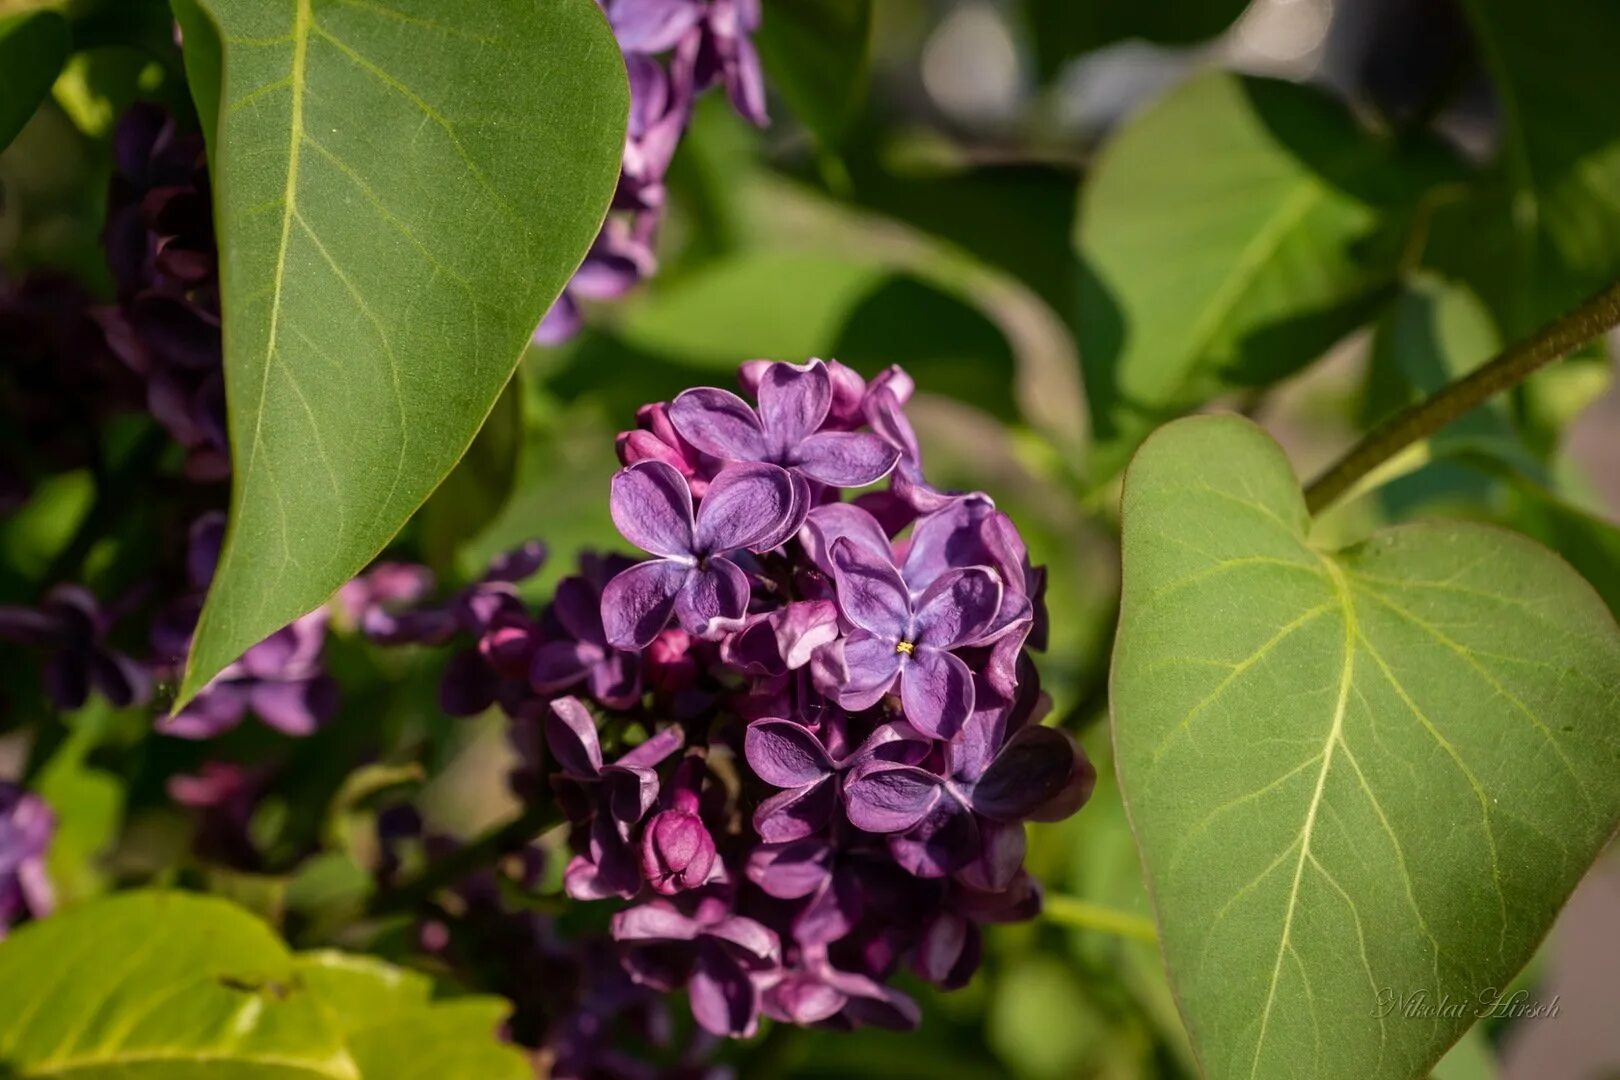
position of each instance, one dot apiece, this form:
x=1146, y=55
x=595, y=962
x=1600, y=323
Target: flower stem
x=1507, y=369
x=1084, y=915
x=475, y=855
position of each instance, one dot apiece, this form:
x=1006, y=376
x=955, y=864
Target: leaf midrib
x=1335, y=733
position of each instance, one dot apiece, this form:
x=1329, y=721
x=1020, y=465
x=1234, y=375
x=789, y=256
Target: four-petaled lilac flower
x=816, y=993
x=748, y=506
x=280, y=680
x=713, y=951
x=794, y=401
x=969, y=819
x=26, y=825
x=787, y=755
x=73, y=628
x=579, y=651
x=608, y=800
x=896, y=639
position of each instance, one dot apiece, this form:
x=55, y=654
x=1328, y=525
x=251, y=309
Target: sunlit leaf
x=160, y=984
x=401, y=191
x=1354, y=776
x=1230, y=234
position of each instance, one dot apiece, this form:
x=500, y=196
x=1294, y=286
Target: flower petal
x=792, y=870
x=652, y=507
x=826, y=523
x=793, y=402
x=571, y=737
x=785, y=754
x=882, y=797
x=1034, y=767
x=936, y=692
x=657, y=920
x=712, y=601
x=723, y=998
x=637, y=603
x=956, y=608
x=557, y=665
x=845, y=459
x=578, y=606
x=745, y=506
x=870, y=592
x=796, y=813
x=871, y=664
x=718, y=423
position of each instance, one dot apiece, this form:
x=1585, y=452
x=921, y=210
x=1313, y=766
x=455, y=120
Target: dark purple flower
x=898, y=640
x=788, y=755
x=714, y=952
x=748, y=506
x=280, y=680
x=223, y=797
x=816, y=993
x=970, y=817
x=794, y=400
x=73, y=628
x=607, y=800
x=579, y=651
x=777, y=642
x=26, y=825
x=385, y=603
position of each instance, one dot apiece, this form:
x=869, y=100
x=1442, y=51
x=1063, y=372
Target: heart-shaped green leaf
x=33, y=47
x=402, y=189
x=1230, y=235
x=1358, y=779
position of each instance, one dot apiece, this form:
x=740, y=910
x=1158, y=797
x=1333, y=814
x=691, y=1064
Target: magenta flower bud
x=677, y=852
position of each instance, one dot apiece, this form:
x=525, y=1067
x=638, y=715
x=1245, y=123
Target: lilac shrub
x=797, y=742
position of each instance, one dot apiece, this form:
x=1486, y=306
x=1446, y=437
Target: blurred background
x=926, y=217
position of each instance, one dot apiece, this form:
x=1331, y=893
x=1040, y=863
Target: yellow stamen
x=905, y=647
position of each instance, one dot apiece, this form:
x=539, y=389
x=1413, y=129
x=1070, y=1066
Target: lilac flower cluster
x=674, y=50
x=801, y=737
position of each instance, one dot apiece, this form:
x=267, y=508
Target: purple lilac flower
x=748, y=507
x=577, y=649
x=26, y=825
x=705, y=946
x=674, y=50
x=71, y=627
x=794, y=403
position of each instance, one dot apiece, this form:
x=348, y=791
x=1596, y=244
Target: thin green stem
x=1509, y=368
x=1084, y=915
x=486, y=849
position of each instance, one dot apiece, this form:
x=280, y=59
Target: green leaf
x=33, y=47
x=395, y=1031
x=401, y=192
x=160, y=985
x=815, y=56
x=1230, y=235
x=792, y=305
x=1376, y=771
x=88, y=804
x=1064, y=28
x=476, y=490
x=1546, y=232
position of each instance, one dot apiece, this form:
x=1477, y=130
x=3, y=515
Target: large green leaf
x=160, y=986
x=1545, y=231
x=402, y=190
x=395, y=1032
x=33, y=47
x=1353, y=774
x=1230, y=234
x=815, y=55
